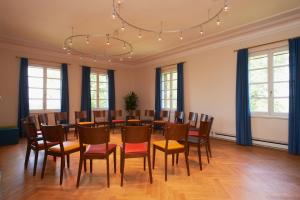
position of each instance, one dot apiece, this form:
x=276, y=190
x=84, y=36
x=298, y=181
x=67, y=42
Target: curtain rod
x=173, y=64
x=259, y=45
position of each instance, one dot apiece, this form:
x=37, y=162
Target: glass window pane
x=174, y=104
x=35, y=71
x=35, y=104
x=174, y=75
x=168, y=94
x=93, y=77
x=53, y=73
x=167, y=104
x=281, y=58
x=103, y=86
x=258, y=90
x=35, y=82
x=174, y=84
x=102, y=78
x=35, y=93
x=103, y=103
x=166, y=85
x=257, y=62
x=53, y=94
x=53, y=83
x=281, y=89
x=258, y=76
x=94, y=103
x=163, y=103
x=281, y=105
x=103, y=95
x=174, y=94
x=93, y=94
x=259, y=105
x=53, y=104
x=93, y=85
x=281, y=73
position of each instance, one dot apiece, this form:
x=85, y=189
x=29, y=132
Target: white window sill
x=270, y=116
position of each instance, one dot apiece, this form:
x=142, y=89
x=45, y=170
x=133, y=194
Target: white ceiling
x=49, y=22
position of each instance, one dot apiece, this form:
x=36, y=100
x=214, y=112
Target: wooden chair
x=148, y=117
x=55, y=134
x=32, y=120
x=100, y=118
x=34, y=142
x=97, y=139
x=43, y=119
x=164, y=118
x=61, y=118
x=179, y=117
x=174, y=133
x=135, y=143
x=135, y=120
x=81, y=120
x=193, y=119
x=116, y=118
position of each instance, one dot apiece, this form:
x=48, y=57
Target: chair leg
x=166, y=166
x=199, y=155
x=68, y=161
x=149, y=167
x=62, y=166
x=173, y=159
x=79, y=171
x=36, y=155
x=115, y=161
x=209, y=147
x=123, y=166
x=207, y=154
x=84, y=165
x=144, y=163
x=107, y=170
x=91, y=166
x=177, y=158
x=153, y=164
x=44, y=165
x=28, y=150
x=187, y=163
x=121, y=162
x=54, y=158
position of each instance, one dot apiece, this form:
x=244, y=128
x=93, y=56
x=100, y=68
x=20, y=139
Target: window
x=44, y=85
x=99, y=90
x=269, y=82
x=169, y=89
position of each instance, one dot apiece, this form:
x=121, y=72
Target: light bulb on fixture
x=71, y=43
x=113, y=15
x=140, y=35
x=107, y=39
x=226, y=8
x=201, y=31
x=124, y=46
x=159, y=37
x=119, y=2
x=87, y=41
x=218, y=21
x=181, y=36
x=64, y=47
x=123, y=27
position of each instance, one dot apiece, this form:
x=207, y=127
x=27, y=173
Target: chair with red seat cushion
x=135, y=143
x=116, y=119
x=81, y=119
x=97, y=139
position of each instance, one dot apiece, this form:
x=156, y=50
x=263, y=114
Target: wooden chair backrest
x=30, y=130
x=60, y=118
x=207, y=118
x=193, y=119
x=176, y=131
x=93, y=135
x=43, y=118
x=137, y=114
x=179, y=117
x=136, y=134
x=80, y=115
x=99, y=115
x=53, y=133
x=116, y=114
x=165, y=115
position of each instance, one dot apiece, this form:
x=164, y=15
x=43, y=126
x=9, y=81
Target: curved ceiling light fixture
x=126, y=48
x=200, y=26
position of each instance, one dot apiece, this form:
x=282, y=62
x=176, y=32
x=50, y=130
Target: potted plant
x=131, y=102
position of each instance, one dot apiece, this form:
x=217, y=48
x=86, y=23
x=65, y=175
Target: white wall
x=210, y=78
x=9, y=79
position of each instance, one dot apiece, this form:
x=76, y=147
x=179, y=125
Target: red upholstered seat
x=118, y=121
x=194, y=133
x=99, y=148
x=132, y=148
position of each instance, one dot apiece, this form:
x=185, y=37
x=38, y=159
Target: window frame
x=171, y=71
x=270, y=82
x=44, y=88
x=98, y=99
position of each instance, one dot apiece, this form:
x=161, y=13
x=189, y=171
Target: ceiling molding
x=289, y=17
x=281, y=19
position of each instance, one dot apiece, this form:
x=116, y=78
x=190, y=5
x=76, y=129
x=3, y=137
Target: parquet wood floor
x=235, y=172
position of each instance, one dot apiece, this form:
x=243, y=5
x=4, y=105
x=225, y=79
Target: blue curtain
x=23, y=93
x=111, y=92
x=157, y=92
x=64, y=89
x=86, y=92
x=180, y=88
x=243, y=118
x=294, y=100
